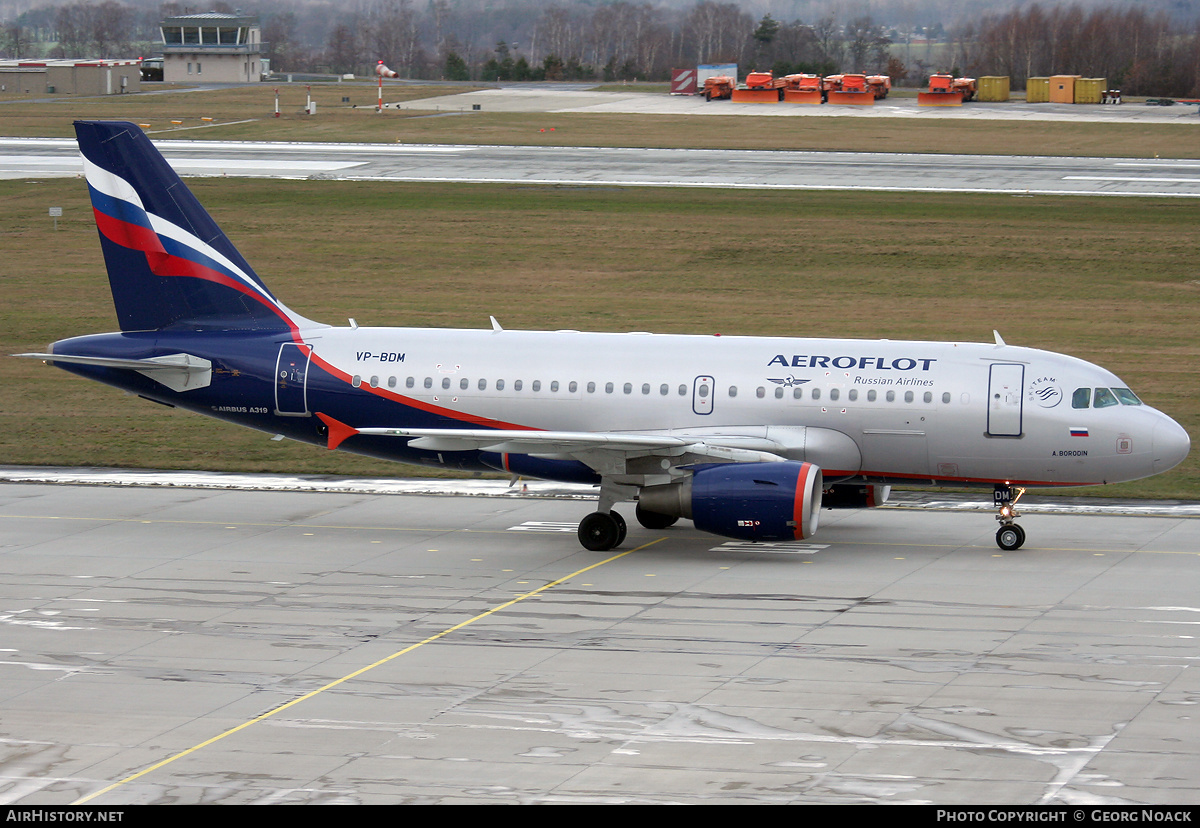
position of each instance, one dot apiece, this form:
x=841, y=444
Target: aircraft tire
x=599, y=532
x=654, y=520
x=622, y=527
x=1010, y=537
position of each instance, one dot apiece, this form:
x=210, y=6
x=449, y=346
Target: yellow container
x=1037, y=90
x=1062, y=88
x=993, y=88
x=1090, y=90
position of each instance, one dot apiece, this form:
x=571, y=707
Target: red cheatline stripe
x=462, y=416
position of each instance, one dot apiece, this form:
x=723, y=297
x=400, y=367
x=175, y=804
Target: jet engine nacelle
x=749, y=501
x=844, y=496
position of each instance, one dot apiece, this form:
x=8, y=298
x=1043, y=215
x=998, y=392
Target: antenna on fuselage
x=1000, y=343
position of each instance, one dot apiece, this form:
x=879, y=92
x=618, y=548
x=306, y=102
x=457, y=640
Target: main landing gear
x=605, y=529
x=1009, y=536
x=602, y=531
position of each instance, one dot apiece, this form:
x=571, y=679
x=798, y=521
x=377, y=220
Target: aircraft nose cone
x=1170, y=444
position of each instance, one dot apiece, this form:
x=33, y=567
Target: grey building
x=213, y=47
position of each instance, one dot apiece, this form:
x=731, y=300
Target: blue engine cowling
x=749, y=501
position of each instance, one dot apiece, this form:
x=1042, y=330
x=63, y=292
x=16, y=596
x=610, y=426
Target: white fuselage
x=920, y=411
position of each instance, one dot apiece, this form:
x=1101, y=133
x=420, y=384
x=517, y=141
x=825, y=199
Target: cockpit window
x=1104, y=398
x=1082, y=398
x=1126, y=396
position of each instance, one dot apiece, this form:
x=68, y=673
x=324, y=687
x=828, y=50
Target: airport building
x=71, y=77
x=213, y=47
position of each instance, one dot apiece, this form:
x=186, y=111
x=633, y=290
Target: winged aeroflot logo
x=788, y=382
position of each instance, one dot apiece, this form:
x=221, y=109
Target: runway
x=591, y=166
x=441, y=649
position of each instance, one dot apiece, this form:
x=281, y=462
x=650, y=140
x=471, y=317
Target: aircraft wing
x=526, y=442
x=608, y=453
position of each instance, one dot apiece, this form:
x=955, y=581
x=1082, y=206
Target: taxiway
x=442, y=649
x=598, y=166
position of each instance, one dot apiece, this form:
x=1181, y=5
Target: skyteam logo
x=1045, y=392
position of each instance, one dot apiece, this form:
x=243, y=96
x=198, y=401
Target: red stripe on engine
x=801, y=500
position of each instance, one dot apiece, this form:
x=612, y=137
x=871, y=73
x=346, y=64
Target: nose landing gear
x=1009, y=536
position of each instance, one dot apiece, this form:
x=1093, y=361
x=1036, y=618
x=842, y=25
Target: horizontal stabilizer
x=179, y=372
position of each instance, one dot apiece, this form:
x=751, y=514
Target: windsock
x=383, y=71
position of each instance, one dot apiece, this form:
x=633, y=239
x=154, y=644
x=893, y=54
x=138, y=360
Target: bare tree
x=111, y=26
x=393, y=26
x=718, y=31
x=343, y=52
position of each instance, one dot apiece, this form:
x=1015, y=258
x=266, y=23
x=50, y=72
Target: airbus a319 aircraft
x=745, y=436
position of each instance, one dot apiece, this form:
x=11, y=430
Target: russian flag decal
x=1079, y=432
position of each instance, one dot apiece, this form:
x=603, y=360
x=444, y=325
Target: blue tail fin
x=169, y=264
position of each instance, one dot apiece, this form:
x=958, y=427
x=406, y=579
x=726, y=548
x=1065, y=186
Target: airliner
x=747, y=437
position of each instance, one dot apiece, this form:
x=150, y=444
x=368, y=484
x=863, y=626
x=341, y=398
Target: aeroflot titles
x=878, y=363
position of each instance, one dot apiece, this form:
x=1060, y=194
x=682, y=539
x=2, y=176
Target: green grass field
x=1113, y=281
x=245, y=113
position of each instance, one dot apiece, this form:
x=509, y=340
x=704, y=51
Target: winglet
x=338, y=431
